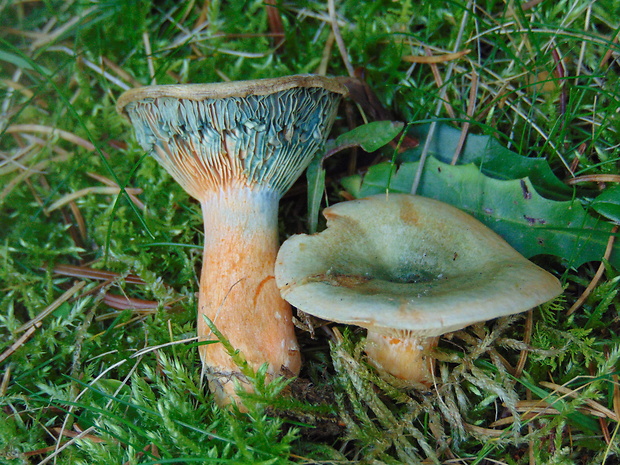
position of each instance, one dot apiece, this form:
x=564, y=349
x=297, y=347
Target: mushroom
x=408, y=269
x=237, y=147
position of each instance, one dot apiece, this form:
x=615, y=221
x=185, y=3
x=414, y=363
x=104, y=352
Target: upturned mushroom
x=237, y=147
x=408, y=269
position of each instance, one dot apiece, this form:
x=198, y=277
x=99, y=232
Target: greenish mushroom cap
x=408, y=263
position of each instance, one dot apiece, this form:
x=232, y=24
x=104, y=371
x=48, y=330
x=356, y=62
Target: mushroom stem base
x=405, y=357
x=238, y=292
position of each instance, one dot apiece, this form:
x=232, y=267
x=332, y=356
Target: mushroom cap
x=245, y=133
x=408, y=263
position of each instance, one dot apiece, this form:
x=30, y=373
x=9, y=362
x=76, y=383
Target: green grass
x=90, y=384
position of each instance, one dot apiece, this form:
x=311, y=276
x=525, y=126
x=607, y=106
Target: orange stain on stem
x=260, y=287
x=238, y=292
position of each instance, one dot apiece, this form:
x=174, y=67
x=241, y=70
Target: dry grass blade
x=121, y=302
x=439, y=82
x=610, y=52
x=32, y=170
x=109, y=182
x=17, y=344
x=60, y=446
x=100, y=68
x=428, y=59
x=534, y=409
x=48, y=38
x=147, y=350
x=490, y=432
x=91, y=273
x=66, y=135
x=598, y=178
x=43, y=450
x=573, y=393
x=53, y=306
x=327, y=52
x=81, y=224
x=18, y=160
x=471, y=105
x=120, y=71
x=339, y=41
x=28, y=93
x=527, y=337
x=91, y=190
x=597, y=276
x=6, y=378
x=74, y=434
x=275, y=23
x=149, y=56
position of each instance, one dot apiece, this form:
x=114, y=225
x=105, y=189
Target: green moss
x=80, y=369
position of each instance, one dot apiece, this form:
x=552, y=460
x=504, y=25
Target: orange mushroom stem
x=404, y=356
x=238, y=292
x=237, y=147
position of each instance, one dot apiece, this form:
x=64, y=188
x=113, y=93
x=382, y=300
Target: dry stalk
x=19, y=342
x=597, y=276
x=53, y=306
x=527, y=337
x=339, y=41
x=66, y=135
x=442, y=94
x=91, y=273
x=598, y=178
x=23, y=176
x=567, y=392
x=109, y=182
x=471, y=106
x=93, y=190
x=434, y=59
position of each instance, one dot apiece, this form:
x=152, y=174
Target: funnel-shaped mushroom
x=237, y=147
x=408, y=269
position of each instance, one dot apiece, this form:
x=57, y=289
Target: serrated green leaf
x=608, y=203
x=531, y=223
x=490, y=156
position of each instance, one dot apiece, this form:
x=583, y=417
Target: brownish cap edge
x=229, y=89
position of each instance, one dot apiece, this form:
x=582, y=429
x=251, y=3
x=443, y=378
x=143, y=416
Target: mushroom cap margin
x=220, y=90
